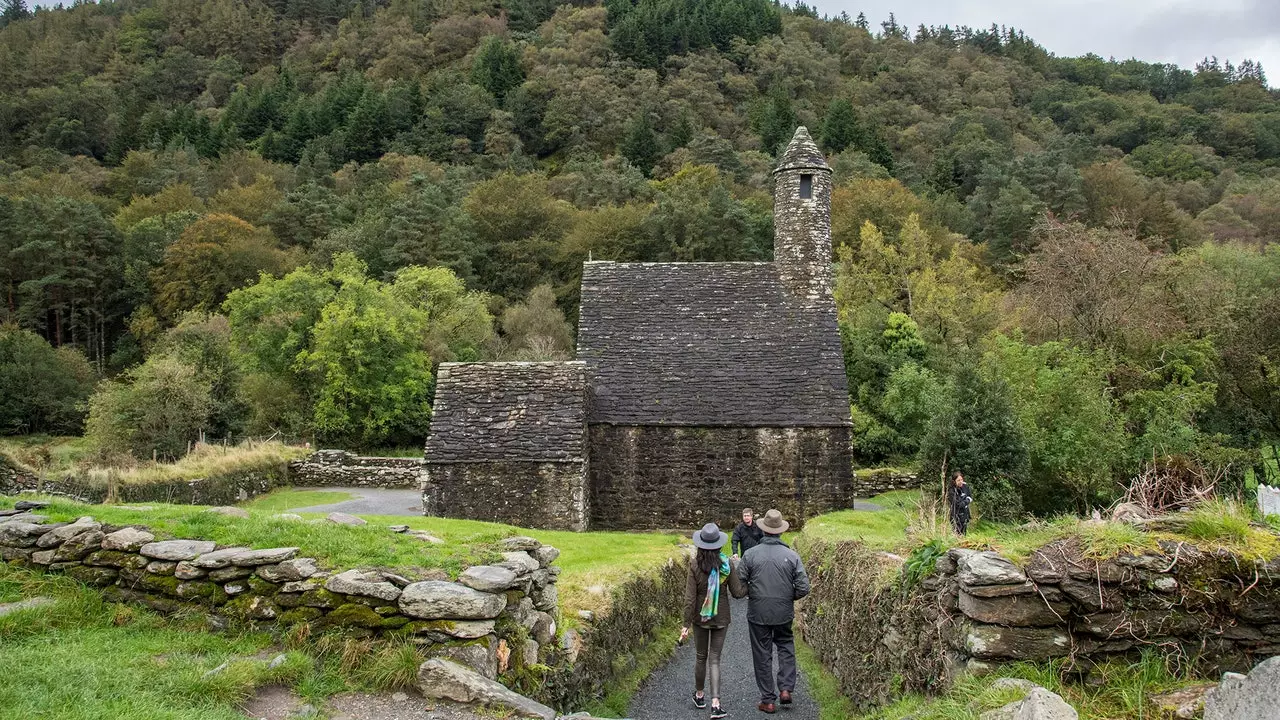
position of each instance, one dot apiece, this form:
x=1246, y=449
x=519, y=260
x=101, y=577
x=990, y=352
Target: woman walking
x=706, y=611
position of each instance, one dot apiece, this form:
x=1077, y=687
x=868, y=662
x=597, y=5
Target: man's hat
x=773, y=523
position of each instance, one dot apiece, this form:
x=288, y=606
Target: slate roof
x=509, y=411
x=707, y=344
x=801, y=154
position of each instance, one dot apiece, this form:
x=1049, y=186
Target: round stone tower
x=802, y=221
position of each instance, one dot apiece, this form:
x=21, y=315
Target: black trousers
x=960, y=520
x=709, y=642
x=764, y=639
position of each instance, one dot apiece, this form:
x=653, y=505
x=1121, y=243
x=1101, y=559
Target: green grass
x=283, y=500
x=1123, y=692
x=86, y=659
x=824, y=688
x=46, y=453
x=395, y=452
x=591, y=563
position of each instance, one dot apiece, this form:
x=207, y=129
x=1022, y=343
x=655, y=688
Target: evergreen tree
x=862, y=21
x=641, y=143
x=775, y=122
x=497, y=67
x=14, y=10
x=840, y=127
x=682, y=134
x=977, y=433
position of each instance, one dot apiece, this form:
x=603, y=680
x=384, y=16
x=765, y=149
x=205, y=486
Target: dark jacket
x=695, y=592
x=961, y=499
x=745, y=537
x=774, y=578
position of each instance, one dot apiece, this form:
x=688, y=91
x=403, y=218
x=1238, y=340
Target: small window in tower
x=806, y=187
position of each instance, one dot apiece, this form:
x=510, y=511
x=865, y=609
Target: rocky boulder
x=1013, y=610
x=1252, y=697
x=441, y=679
x=1039, y=704
x=289, y=570
x=344, y=519
x=437, y=600
x=991, y=642
x=988, y=568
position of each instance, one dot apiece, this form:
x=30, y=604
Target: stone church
x=699, y=389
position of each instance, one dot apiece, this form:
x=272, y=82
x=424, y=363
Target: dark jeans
x=764, y=638
x=708, y=642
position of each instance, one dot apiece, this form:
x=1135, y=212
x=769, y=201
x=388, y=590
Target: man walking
x=747, y=535
x=774, y=578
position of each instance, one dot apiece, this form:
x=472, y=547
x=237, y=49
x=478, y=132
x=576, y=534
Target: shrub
x=155, y=409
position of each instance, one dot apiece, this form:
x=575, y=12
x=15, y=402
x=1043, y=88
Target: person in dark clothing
x=747, y=535
x=774, y=578
x=706, y=611
x=961, y=499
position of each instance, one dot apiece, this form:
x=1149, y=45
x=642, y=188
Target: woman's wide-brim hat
x=773, y=523
x=710, y=537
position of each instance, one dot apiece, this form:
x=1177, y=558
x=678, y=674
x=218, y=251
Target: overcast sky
x=1176, y=31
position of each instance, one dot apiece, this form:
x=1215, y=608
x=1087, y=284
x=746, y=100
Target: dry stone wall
x=498, y=619
x=869, y=483
x=645, y=477
x=338, y=468
x=225, y=489
x=1215, y=610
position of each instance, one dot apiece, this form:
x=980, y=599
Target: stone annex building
x=699, y=389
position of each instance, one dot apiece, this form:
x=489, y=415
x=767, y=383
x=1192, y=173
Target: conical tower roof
x=802, y=154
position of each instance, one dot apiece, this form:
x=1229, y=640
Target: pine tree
x=775, y=122
x=497, y=67
x=862, y=21
x=682, y=134
x=640, y=146
x=14, y=10
x=840, y=126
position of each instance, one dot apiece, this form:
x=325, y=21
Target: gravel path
x=369, y=501
x=668, y=693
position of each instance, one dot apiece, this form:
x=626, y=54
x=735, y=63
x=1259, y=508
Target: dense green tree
x=840, y=127
x=640, y=146
x=536, y=329
x=155, y=410
x=497, y=67
x=976, y=432
x=42, y=389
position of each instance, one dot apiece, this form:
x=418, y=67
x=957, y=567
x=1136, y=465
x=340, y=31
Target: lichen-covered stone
x=266, y=556
x=546, y=555
x=251, y=607
x=481, y=657
x=344, y=519
x=60, y=535
x=1014, y=610
x=988, y=568
x=353, y=615
x=519, y=562
x=161, y=567
x=116, y=559
x=177, y=549
x=79, y=546
x=186, y=571
x=230, y=572
x=443, y=679
x=992, y=642
x=96, y=576
x=488, y=578
x=217, y=558
x=300, y=615
x=434, y=600
x=288, y=570
x=127, y=539
x=363, y=582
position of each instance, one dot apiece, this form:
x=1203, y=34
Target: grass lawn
x=901, y=526
x=591, y=563
x=1123, y=692
x=46, y=453
x=85, y=659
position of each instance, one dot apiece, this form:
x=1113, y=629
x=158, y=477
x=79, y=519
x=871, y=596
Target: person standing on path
x=961, y=498
x=706, y=611
x=747, y=535
x=774, y=578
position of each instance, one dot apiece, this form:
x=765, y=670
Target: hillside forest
x=236, y=218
